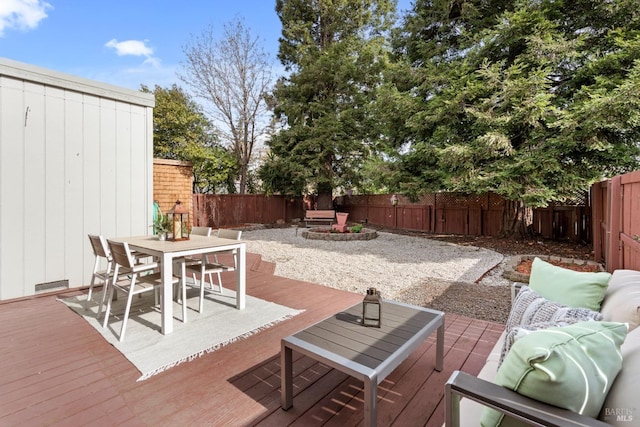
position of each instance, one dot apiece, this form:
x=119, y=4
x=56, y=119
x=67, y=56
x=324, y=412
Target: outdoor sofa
x=552, y=381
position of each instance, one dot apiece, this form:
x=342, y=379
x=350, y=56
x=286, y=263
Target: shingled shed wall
x=172, y=180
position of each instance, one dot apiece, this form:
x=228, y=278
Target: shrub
x=357, y=228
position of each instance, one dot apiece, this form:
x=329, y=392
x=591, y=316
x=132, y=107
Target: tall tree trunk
x=325, y=200
x=243, y=179
x=325, y=196
x=516, y=219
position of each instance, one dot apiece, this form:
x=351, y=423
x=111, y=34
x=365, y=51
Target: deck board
x=56, y=370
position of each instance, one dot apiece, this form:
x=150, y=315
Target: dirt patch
x=524, y=266
x=491, y=303
x=538, y=246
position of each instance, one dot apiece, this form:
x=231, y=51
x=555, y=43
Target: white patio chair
x=102, y=254
x=228, y=234
x=131, y=278
x=182, y=262
x=213, y=265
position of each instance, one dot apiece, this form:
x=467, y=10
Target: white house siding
x=76, y=157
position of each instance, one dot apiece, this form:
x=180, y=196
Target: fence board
x=599, y=205
x=614, y=249
x=414, y=217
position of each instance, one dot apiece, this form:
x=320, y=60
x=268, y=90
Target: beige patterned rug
x=151, y=352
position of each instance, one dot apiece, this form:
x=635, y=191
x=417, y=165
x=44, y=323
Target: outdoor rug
x=151, y=352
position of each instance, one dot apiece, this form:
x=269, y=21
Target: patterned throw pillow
x=530, y=312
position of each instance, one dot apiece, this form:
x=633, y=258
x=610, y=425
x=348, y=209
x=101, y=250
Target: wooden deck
x=56, y=370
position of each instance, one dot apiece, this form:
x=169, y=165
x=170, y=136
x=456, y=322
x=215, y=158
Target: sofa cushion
x=573, y=288
x=621, y=405
x=470, y=410
x=622, y=300
x=530, y=311
x=572, y=367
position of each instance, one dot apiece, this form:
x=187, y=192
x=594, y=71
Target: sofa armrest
x=515, y=288
x=531, y=411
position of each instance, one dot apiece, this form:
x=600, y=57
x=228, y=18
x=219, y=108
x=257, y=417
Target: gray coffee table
x=369, y=354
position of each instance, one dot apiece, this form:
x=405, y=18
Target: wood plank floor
x=56, y=370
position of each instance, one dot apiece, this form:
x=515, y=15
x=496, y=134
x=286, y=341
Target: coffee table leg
x=370, y=400
x=440, y=346
x=286, y=376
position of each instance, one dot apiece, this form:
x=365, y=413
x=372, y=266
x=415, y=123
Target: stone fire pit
x=324, y=233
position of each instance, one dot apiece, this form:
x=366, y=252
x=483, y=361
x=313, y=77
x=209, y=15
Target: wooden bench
x=319, y=215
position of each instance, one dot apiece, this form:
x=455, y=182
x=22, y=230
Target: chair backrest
x=99, y=246
x=121, y=253
x=201, y=231
x=226, y=233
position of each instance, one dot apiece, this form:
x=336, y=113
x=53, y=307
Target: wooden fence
x=466, y=214
x=445, y=213
x=448, y=213
x=228, y=210
x=616, y=219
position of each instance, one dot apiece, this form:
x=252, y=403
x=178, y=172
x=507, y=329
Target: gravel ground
x=454, y=278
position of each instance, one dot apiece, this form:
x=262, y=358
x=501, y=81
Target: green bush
x=357, y=228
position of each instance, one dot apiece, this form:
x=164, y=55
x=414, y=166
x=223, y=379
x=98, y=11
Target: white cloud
x=134, y=48
x=22, y=14
x=130, y=47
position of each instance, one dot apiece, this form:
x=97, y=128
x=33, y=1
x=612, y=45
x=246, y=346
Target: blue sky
x=124, y=42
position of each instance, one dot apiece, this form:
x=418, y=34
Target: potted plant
x=161, y=226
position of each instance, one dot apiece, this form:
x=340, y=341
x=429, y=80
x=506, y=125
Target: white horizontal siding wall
x=76, y=157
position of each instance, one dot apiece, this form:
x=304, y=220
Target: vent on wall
x=50, y=286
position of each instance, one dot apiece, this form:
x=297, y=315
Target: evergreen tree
x=530, y=99
x=334, y=52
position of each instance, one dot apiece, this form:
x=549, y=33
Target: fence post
x=613, y=247
x=596, y=220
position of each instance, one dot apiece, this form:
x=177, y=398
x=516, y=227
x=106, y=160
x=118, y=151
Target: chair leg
x=105, y=286
x=93, y=280
x=108, y=309
x=128, y=308
x=219, y=282
x=96, y=267
x=105, y=291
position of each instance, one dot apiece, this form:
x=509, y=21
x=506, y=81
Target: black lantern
x=372, y=308
x=178, y=218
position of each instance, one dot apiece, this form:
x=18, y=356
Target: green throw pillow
x=571, y=367
x=573, y=288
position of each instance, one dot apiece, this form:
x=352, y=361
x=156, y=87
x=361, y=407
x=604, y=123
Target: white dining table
x=166, y=251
